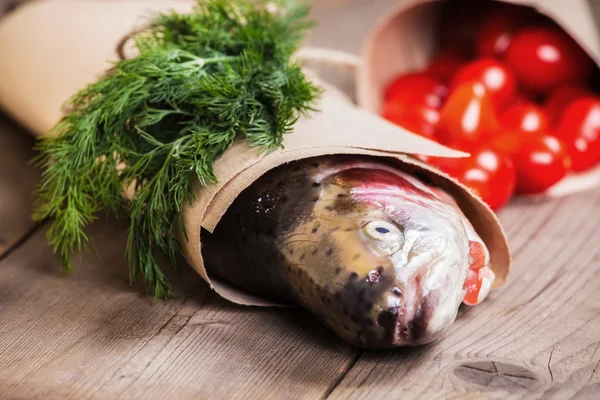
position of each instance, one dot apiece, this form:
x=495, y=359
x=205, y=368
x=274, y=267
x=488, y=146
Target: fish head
x=399, y=253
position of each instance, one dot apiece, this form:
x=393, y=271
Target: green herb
x=159, y=121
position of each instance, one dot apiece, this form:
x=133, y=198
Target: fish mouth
x=414, y=324
x=412, y=330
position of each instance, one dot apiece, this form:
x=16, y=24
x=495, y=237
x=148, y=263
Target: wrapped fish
x=380, y=256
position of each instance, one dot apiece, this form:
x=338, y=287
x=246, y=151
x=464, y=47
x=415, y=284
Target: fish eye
x=386, y=237
x=382, y=230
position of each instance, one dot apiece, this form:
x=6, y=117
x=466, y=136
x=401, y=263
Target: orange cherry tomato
x=541, y=161
x=417, y=88
x=467, y=116
x=498, y=79
x=444, y=65
x=498, y=28
x=488, y=172
x=416, y=118
x=544, y=58
x=560, y=98
x=525, y=117
x=579, y=129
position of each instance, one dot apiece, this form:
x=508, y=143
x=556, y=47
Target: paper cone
x=56, y=47
x=405, y=40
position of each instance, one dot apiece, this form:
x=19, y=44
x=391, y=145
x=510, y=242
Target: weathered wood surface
x=93, y=336
x=17, y=180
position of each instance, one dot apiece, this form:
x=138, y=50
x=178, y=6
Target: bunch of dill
x=158, y=121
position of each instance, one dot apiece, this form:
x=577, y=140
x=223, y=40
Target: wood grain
x=91, y=335
x=17, y=181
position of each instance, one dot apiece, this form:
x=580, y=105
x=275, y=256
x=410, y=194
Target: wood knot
x=497, y=375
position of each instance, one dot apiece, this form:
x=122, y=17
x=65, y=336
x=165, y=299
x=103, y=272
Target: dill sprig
x=158, y=121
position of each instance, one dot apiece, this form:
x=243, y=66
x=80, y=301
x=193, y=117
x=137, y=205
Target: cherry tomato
x=444, y=65
x=468, y=116
x=459, y=24
x=560, y=98
x=499, y=81
x=525, y=117
x=498, y=28
x=507, y=141
x=520, y=98
x=544, y=58
x=416, y=118
x=417, y=88
x=579, y=129
x=541, y=161
x=488, y=172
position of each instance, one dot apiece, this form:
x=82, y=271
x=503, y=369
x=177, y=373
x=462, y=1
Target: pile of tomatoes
x=510, y=87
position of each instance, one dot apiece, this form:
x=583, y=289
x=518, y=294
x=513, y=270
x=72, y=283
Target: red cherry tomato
x=525, y=117
x=507, y=141
x=498, y=28
x=544, y=58
x=416, y=118
x=560, y=98
x=459, y=23
x=541, y=161
x=499, y=81
x=488, y=172
x=444, y=65
x=579, y=129
x=468, y=116
x=417, y=88
x=519, y=98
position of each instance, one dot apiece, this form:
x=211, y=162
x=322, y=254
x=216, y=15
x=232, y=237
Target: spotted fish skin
x=377, y=255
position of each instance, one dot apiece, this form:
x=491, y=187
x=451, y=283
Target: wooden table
x=92, y=335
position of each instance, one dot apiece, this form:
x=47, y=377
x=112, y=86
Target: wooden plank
x=91, y=335
x=539, y=335
x=17, y=181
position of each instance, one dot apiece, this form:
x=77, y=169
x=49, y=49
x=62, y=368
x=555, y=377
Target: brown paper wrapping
x=69, y=43
x=404, y=40
x=40, y=38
